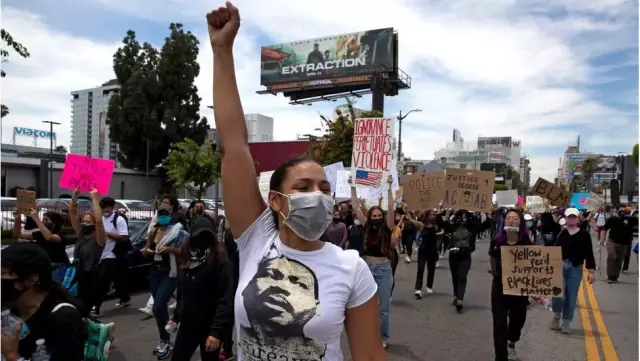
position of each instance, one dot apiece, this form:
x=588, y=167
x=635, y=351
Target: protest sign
x=263, y=184
x=557, y=196
x=535, y=204
x=375, y=193
x=343, y=189
x=87, y=173
x=509, y=197
x=372, y=155
x=423, y=190
x=471, y=190
x=25, y=200
x=531, y=271
x=330, y=172
x=594, y=202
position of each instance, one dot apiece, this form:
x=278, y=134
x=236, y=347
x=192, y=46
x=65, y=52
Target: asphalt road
x=605, y=325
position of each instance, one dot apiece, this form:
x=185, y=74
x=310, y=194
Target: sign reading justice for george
x=468, y=189
x=531, y=271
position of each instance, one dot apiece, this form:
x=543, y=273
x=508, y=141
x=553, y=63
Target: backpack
x=461, y=238
x=121, y=247
x=99, y=337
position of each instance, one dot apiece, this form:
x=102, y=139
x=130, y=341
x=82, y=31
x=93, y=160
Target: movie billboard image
x=574, y=163
x=328, y=57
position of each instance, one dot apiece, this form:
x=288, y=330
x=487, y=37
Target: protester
x=600, y=219
x=356, y=237
x=164, y=244
x=33, y=296
x=509, y=312
x=47, y=234
x=619, y=243
x=89, y=247
x=428, y=251
x=225, y=237
x=576, y=251
x=408, y=236
x=336, y=233
x=205, y=305
x=549, y=228
x=281, y=255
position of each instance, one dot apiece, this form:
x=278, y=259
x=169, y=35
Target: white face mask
x=356, y=222
x=310, y=213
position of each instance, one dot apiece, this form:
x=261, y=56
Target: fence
x=132, y=213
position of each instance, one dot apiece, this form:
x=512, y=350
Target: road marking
x=608, y=350
x=590, y=344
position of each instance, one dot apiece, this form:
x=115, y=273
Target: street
x=605, y=324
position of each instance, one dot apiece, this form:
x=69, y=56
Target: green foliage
x=9, y=43
x=634, y=154
x=193, y=166
x=589, y=168
x=336, y=145
x=500, y=187
x=61, y=149
x=157, y=103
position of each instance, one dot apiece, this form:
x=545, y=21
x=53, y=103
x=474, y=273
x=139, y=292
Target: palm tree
x=589, y=168
x=61, y=149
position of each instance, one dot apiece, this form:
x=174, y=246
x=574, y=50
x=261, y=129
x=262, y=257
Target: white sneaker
x=171, y=327
x=173, y=306
x=146, y=311
x=512, y=355
x=437, y=264
x=555, y=322
x=441, y=256
x=429, y=290
x=418, y=294
x=407, y=259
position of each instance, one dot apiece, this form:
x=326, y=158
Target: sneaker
x=162, y=350
x=459, y=306
x=566, y=327
x=441, y=256
x=407, y=259
x=454, y=301
x=429, y=290
x=385, y=345
x=418, y=294
x=512, y=355
x=437, y=264
x=171, y=327
x=122, y=304
x=95, y=312
x=625, y=271
x=147, y=311
x=173, y=306
x=555, y=322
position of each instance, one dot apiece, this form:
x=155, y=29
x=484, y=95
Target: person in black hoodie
x=206, y=298
x=548, y=228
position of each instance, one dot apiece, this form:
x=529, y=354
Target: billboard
x=494, y=142
x=574, y=163
x=318, y=60
x=36, y=133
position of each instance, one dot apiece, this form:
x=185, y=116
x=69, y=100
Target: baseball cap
x=27, y=259
x=528, y=217
x=201, y=226
x=571, y=212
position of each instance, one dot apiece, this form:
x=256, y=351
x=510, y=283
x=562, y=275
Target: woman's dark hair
x=279, y=176
x=172, y=200
x=523, y=234
x=384, y=233
x=30, y=224
x=49, y=286
x=546, y=220
x=424, y=219
x=56, y=219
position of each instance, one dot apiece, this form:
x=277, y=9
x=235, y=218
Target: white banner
x=507, y=198
x=330, y=172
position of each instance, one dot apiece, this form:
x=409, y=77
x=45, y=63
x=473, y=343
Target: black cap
x=107, y=202
x=201, y=226
x=27, y=259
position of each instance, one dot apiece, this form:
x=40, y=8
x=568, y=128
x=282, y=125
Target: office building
x=525, y=172
x=89, y=129
x=471, y=155
x=259, y=127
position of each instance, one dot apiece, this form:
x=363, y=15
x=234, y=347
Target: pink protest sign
x=87, y=173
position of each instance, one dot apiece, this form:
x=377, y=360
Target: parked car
x=134, y=209
x=61, y=205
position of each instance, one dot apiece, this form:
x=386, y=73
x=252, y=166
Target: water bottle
x=40, y=354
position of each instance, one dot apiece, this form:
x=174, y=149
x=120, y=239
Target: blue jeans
x=384, y=279
x=418, y=240
x=439, y=244
x=571, y=279
x=162, y=287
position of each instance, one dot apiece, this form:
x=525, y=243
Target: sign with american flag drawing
x=372, y=156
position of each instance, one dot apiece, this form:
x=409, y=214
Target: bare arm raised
x=243, y=202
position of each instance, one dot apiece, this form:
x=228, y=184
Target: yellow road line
x=608, y=350
x=590, y=344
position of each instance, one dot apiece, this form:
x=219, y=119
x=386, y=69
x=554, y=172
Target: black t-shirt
x=620, y=229
x=577, y=248
x=63, y=332
x=429, y=240
x=55, y=250
x=356, y=238
x=348, y=220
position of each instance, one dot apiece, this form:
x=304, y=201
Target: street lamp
x=50, y=165
x=400, y=119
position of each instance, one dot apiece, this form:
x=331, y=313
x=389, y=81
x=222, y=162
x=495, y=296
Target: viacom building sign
x=27, y=132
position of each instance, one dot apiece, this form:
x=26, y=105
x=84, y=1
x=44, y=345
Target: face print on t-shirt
x=280, y=300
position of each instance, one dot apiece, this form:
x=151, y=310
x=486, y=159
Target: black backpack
x=121, y=248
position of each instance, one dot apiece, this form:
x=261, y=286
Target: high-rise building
x=525, y=172
x=471, y=155
x=259, y=127
x=89, y=129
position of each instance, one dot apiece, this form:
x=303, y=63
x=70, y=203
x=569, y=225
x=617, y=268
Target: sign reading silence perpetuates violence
x=372, y=154
x=557, y=196
x=471, y=190
x=87, y=173
x=532, y=271
x=423, y=190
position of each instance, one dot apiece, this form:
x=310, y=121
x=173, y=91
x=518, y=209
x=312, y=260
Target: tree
x=19, y=49
x=61, y=149
x=589, y=168
x=634, y=154
x=336, y=145
x=500, y=187
x=157, y=103
x=193, y=166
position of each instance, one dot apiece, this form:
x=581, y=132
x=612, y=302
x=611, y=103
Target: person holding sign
x=509, y=312
x=576, y=251
x=288, y=276
x=379, y=247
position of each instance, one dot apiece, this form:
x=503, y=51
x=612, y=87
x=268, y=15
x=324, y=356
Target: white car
x=134, y=209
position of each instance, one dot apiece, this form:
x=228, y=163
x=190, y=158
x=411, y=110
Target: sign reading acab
x=36, y=133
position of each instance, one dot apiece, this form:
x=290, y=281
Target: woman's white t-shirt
x=290, y=305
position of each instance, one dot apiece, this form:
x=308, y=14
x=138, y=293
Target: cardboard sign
x=467, y=189
x=509, y=197
x=87, y=173
x=535, y=204
x=25, y=200
x=372, y=151
x=531, y=271
x=330, y=172
x=423, y=190
x=594, y=202
x=557, y=196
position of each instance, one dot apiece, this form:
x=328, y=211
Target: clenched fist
x=223, y=25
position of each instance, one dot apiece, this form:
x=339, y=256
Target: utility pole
x=50, y=165
x=400, y=118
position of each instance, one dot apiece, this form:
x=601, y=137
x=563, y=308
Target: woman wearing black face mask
x=46, y=234
x=205, y=305
x=89, y=246
x=30, y=293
